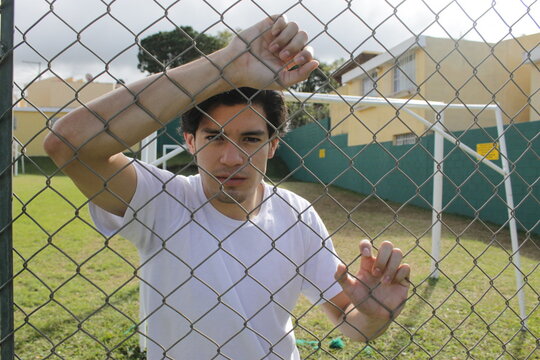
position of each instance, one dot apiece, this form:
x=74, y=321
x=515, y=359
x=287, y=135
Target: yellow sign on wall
x=322, y=153
x=489, y=150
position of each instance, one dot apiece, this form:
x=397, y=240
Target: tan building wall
x=514, y=94
x=30, y=128
x=479, y=73
x=462, y=73
x=51, y=99
x=380, y=124
x=468, y=72
x=56, y=92
x=534, y=112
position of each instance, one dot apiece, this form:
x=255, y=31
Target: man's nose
x=232, y=154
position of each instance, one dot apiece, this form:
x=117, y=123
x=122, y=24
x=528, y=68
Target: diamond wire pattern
x=422, y=290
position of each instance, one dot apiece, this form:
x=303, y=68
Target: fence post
x=6, y=129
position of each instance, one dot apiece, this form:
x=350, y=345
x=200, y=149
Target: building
x=47, y=100
x=533, y=63
x=437, y=69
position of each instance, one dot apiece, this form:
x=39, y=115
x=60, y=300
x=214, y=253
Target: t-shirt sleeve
x=148, y=210
x=319, y=284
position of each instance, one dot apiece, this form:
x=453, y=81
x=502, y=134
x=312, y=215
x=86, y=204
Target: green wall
x=404, y=173
x=169, y=135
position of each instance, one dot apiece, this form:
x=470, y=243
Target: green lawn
x=76, y=294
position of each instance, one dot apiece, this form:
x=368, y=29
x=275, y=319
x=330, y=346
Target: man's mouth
x=230, y=180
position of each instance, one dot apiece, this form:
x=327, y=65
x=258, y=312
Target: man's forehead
x=236, y=117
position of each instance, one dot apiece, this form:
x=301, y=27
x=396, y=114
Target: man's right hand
x=264, y=54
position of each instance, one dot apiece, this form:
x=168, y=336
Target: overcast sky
x=338, y=28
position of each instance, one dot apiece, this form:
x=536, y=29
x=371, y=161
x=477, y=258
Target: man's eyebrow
x=211, y=131
x=245, y=133
x=254, y=133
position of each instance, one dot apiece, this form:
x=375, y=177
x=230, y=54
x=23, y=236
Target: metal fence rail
x=391, y=87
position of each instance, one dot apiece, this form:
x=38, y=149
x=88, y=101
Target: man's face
x=232, y=149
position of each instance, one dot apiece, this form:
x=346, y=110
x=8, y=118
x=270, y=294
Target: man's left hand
x=379, y=288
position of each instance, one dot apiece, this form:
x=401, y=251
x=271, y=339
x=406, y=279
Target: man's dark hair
x=271, y=101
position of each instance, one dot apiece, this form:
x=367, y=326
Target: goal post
x=440, y=135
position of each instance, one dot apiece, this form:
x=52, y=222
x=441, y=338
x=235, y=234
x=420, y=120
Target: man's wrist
x=231, y=73
x=371, y=326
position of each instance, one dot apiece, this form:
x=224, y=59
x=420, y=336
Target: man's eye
x=216, y=137
x=250, y=139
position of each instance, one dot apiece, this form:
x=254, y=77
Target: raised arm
x=87, y=143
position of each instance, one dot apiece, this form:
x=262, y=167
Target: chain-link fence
x=420, y=127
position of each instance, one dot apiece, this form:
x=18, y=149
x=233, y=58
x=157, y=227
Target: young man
x=224, y=256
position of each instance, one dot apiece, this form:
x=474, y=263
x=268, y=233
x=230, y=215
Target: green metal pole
x=6, y=235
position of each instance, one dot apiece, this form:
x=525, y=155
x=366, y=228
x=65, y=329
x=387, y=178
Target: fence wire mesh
x=361, y=149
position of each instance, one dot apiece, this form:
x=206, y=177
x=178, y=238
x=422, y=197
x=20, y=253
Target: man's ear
x=190, y=142
x=274, y=143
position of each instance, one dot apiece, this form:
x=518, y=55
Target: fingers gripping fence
x=428, y=141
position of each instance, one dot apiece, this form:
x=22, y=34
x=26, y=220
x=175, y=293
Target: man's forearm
x=257, y=57
x=87, y=144
x=115, y=121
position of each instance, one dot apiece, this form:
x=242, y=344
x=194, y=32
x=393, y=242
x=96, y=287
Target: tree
x=167, y=49
x=319, y=81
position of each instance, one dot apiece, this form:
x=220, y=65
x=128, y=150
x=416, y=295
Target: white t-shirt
x=213, y=287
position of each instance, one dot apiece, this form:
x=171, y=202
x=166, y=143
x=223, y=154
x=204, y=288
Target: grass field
x=76, y=294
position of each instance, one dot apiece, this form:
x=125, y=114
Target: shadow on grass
x=132, y=352
x=403, y=338
x=518, y=347
x=424, y=296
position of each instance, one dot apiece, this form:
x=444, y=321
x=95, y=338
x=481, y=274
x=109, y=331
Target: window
x=368, y=84
x=405, y=139
x=405, y=73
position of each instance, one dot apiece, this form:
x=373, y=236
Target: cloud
x=72, y=38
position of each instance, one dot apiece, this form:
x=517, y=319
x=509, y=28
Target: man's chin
x=230, y=197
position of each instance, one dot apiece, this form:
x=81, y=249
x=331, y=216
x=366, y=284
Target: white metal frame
x=166, y=155
x=149, y=154
x=438, y=157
